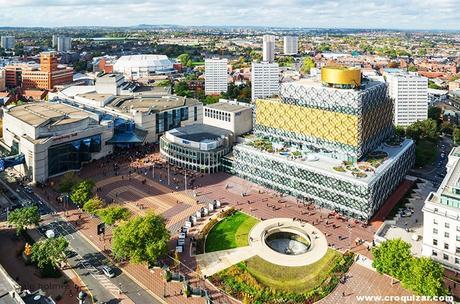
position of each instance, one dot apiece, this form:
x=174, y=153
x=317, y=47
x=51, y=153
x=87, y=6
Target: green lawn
x=231, y=232
x=197, y=63
x=292, y=279
x=425, y=152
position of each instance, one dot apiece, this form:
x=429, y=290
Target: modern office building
x=329, y=141
x=143, y=66
x=291, y=45
x=230, y=115
x=215, y=76
x=54, y=137
x=197, y=147
x=7, y=42
x=268, y=48
x=441, y=217
x=44, y=76
x=61, y=43
x=265, y=80
x=410, y=97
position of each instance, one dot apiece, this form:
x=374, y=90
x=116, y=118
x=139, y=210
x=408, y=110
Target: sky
x=403, y=14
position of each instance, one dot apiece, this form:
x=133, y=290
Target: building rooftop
x=199, y=133
x=40, y=113
x=327, y=165
x=228, y=107
x=150, y=103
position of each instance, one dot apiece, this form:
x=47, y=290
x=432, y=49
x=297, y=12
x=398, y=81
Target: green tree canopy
x=181, y=89
x=68, y=181
x=434, y=113
x=24, y=217
x=93, y=204
x=392, y=257
x=49, y=252
x=307, y=65
x=185, y=60
x=456, y=135
x=141, y=239
x=423, y=129
x=81, y=192
x=425, y=277
x=110, y=215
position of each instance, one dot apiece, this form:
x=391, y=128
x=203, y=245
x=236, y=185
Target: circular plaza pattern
x=286, y=242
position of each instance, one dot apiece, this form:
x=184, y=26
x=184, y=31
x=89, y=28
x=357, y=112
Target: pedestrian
x=343, y=293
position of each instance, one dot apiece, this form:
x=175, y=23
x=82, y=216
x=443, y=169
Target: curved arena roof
x=150, y=62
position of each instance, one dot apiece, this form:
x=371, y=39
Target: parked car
x=108, y=271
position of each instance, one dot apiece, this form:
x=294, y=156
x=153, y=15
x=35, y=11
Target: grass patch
x=425, y=152
x=197, y=63
x=231, y=232
x=262, y=282
x=292, y=279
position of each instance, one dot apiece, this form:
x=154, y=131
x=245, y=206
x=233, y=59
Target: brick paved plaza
x=141, y=185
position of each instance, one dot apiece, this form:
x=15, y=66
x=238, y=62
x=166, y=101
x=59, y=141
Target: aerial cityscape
x=279, y=152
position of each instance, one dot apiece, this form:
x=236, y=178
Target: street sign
x=101, y=228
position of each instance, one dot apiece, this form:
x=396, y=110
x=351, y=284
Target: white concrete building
x=229, y=115
x=62, y=43
x=268, y=48
x=215, y=76
x=143, y=66
x=7, y=42
x=410, y=96
x=441, y=218
x=55, y=138
x=291, y=45
x=264, y=80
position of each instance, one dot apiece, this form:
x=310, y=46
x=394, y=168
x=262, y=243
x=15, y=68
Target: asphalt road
x=437, y=172
x=86, y=260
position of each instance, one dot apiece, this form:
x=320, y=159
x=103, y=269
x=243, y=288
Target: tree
x=68, y=181
x=93, y=204
x=392, y=257
x=24, y=217
x=141, y=239
x=307, y=65
x=456, y=135
x=400, y=131
x=425, y=277
x=110, y=215
x=49, y=252
x=185, y=60
x=81, y=193
x=181, y=89
x=447, y=127
x=434, y=113
x=412, y=68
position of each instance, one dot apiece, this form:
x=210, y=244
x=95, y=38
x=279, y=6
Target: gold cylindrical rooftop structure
x=336, y=75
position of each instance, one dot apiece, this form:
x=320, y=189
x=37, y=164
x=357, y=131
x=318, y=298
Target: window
x=434, y=253
x=457, y=260
x=446, y=246
x=435, y=242
x=457, y=250
x=435, y=221
x=447, y=225
x=445, y=257
x=457, y=238
x=435, y=231
x=446, y=234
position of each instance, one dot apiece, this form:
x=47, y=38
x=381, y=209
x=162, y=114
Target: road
x=87, y=259
x=436, y=173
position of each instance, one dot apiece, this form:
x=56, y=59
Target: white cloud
x=412, y=14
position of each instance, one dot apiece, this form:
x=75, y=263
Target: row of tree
x=421, y=275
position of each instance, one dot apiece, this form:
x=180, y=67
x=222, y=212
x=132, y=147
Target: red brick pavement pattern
x=260, y=202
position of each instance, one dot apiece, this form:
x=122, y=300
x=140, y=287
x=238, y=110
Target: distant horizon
x=409, y=15
x=143, y=25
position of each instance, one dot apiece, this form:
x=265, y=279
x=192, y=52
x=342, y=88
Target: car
x=108, y=271
x=28, y=190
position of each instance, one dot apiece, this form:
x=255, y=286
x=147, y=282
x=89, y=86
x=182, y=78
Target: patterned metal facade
x=345, y=194
x=345, y=123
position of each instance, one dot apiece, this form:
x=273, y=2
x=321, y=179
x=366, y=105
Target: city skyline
x=412, y=15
